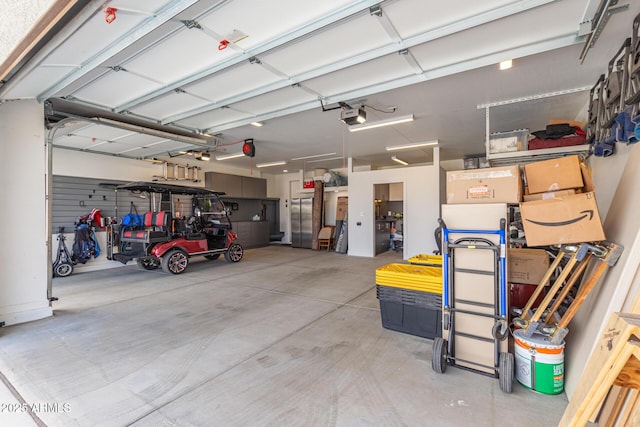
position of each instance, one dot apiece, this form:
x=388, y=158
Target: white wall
x=421, y=207
x=617, y=180
x=23, y=282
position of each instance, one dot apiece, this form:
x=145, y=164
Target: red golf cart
x=167, y=238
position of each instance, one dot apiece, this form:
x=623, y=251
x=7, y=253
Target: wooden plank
x=608, y=358
x=629, y=377
x=630, y=410
x=613, y=404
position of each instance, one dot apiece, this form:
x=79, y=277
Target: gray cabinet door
x=215, y=181
x=243, y=230
x=234, y=186
x=254, y=188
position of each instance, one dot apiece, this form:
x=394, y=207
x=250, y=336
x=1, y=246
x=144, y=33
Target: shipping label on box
x=553, y=175
x=571, y=219
x=527, y=266
x=490, y=185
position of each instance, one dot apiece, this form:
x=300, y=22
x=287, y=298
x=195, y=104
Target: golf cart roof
x=156, y=187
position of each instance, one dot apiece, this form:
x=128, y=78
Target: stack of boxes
x=560, y=206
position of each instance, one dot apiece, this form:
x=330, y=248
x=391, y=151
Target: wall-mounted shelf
x=521, y=157
x=326, y=189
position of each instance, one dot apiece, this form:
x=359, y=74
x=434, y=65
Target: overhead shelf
x=528, y=156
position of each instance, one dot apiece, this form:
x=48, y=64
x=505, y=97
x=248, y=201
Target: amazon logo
x=584, y=214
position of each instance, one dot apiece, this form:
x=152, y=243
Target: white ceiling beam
x=470, y=64
x=446, y=30
x=164, y=15
x=245, y=55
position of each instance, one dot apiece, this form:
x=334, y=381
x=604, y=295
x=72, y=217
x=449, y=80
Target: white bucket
x=539, y=364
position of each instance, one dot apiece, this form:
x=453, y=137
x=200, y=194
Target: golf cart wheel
x=439, y=355
x=63, y=269
x=175, y=261
x=212, y=257
x=234, y=253
x=506, y=372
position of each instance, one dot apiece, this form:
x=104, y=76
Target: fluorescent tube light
x=412, y=145
x=266, y=165
x=314, y=156
x=229, y=156
x=324, y=160
x=505, y=65
x=397, y=160
x=380, y=123
x=257, y=124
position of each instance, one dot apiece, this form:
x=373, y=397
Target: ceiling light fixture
x=266, y=165
x=505, y=65
x=353, y=116
x=257, y=124
x=324, y=160
x=397, y=160
x=381, y=123
x=313, y=156
x=412, y=145
x=229, y=156
x=205, y=156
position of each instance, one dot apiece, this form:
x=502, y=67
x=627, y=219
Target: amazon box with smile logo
x=563, y=220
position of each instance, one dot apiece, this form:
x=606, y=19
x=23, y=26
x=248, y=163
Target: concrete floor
x=286, y=337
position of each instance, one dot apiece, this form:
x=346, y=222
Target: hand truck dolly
x=546, y=320
x=444, y=350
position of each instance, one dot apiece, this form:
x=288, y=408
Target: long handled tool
x=607, y=255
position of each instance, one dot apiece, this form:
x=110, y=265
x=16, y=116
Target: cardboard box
x=548, y=195
x=343, y=207
x=553, y=175
x=489, y=185
x=570, y=219
x=527, y=266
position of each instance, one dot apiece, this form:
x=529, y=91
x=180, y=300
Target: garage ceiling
x=209, y=69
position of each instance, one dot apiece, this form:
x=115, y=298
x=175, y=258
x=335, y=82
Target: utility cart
x=468, y=315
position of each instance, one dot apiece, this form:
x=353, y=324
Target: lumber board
x=629, y=377
x=612, y=406
x=630, y=410
x=610, y=355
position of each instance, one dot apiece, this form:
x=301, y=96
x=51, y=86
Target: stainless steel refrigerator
x=301, y=214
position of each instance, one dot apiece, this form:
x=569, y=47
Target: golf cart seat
x=156, y=229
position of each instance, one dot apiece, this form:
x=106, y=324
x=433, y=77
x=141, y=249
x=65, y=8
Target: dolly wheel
x=439, y=355
x=506, y=372
x=175, y=261
x=63, y=269
x=500, y=330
